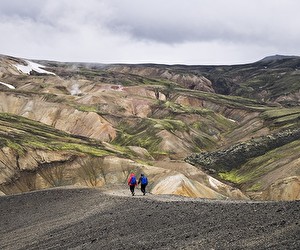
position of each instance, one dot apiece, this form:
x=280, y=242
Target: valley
x=85, y=124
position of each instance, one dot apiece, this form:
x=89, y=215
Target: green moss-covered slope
x=20, y=133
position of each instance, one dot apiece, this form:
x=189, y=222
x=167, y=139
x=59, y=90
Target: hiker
x=144, y=182
x=132, y=183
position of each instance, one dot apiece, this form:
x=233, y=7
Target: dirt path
x=123, y=191
x=90, y=219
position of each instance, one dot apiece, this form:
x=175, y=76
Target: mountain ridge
x=277, y=57
x=149, y=114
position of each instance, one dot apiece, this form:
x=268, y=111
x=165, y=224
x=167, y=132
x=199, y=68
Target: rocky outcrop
x=263, y=168
x=235, y=156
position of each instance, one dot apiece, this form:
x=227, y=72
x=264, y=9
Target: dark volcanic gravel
x=89, y=219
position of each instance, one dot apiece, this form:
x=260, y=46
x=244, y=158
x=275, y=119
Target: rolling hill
x=200, y=131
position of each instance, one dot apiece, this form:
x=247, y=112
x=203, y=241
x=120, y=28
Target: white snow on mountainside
x=7, y=85
x=32, y=66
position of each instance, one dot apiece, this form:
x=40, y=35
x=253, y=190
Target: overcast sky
x=157, y=31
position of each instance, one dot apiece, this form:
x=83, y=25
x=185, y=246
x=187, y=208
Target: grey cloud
x=14, y=9
x=180, y=31
x=231, y=20
x=55, y=13
x=173, y=21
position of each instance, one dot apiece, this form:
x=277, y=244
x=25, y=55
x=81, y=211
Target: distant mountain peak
x=277, y=57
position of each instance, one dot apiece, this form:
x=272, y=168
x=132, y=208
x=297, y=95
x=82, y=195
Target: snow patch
x=32, y=66
x=7, y=85
x=231, y=120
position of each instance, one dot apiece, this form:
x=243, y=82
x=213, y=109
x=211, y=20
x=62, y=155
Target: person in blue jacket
x=144, y=182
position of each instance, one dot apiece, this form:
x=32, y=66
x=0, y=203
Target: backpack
x=144, y=180
x=133, y=180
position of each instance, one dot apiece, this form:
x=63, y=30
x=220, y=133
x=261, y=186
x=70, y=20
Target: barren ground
x=98, y=219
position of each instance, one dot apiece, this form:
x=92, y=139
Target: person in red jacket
x=132, y=183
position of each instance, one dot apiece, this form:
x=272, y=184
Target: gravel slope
x=90, y=219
